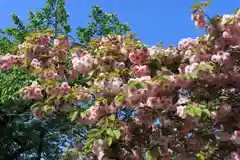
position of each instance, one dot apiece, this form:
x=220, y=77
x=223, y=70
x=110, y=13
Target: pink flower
x=114, y=85
x=120, y=65
x=65, y=88
x=35, y=63
x=61, y=43
x=124, y=54
x=180, y=111
x=237, y=133
x=154, y=50
x=235, y=156
x=56, y=42
x=199, y=19
x=187, y=43
x=50, y=75
x=201, y=23
x=44, y=40
x=221, y=57
x=139, y=57
x=191, y=68
x=83, y=64
x=79, y=53
x=236, y=137
x=141, y=70
x=33, y=92
x=37, y=113
x=98, y=148
x=95, y=112
x=227, y=35
x=6, y=62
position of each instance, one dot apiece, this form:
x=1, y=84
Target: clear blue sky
x=152, y=20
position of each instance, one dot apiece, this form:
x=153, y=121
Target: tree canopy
x=105, y=95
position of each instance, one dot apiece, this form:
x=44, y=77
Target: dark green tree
x=101, y=23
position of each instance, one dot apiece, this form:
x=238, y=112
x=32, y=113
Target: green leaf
x=152, y=153
x=110, y=140
x=88, y=143
x=195, y=6
x=132, y=84
x=200, y=156
x=94, y=133
x=194, y=75
x=84, y=114
x=120, y=98
x=230, y=21
x=237, y=10
x=102, y=100
x=202, y=106
x=112, y=117
x=197, y=111
x=74, y=115
x=47, y=108
x=207, y=112
x=141, y=85
x=189, y=111
x=36, y=104
x=206, y=4
x=117, y=133
x=223, y=97
x=205, y=67
x=67, y=28
x=149, y=155
x=159, y=43
x=110, y=132
x=193, y=110
x=161, y=78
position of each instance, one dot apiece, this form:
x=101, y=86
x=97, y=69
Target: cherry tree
x=143, y=102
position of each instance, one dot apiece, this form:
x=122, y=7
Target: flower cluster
x=9, y=61
x=33, y=92
x=83, y=64
x=199, y=19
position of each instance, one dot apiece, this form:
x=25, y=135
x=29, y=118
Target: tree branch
x=40, y=145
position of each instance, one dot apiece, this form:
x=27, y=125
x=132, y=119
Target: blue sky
x=153, y=20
